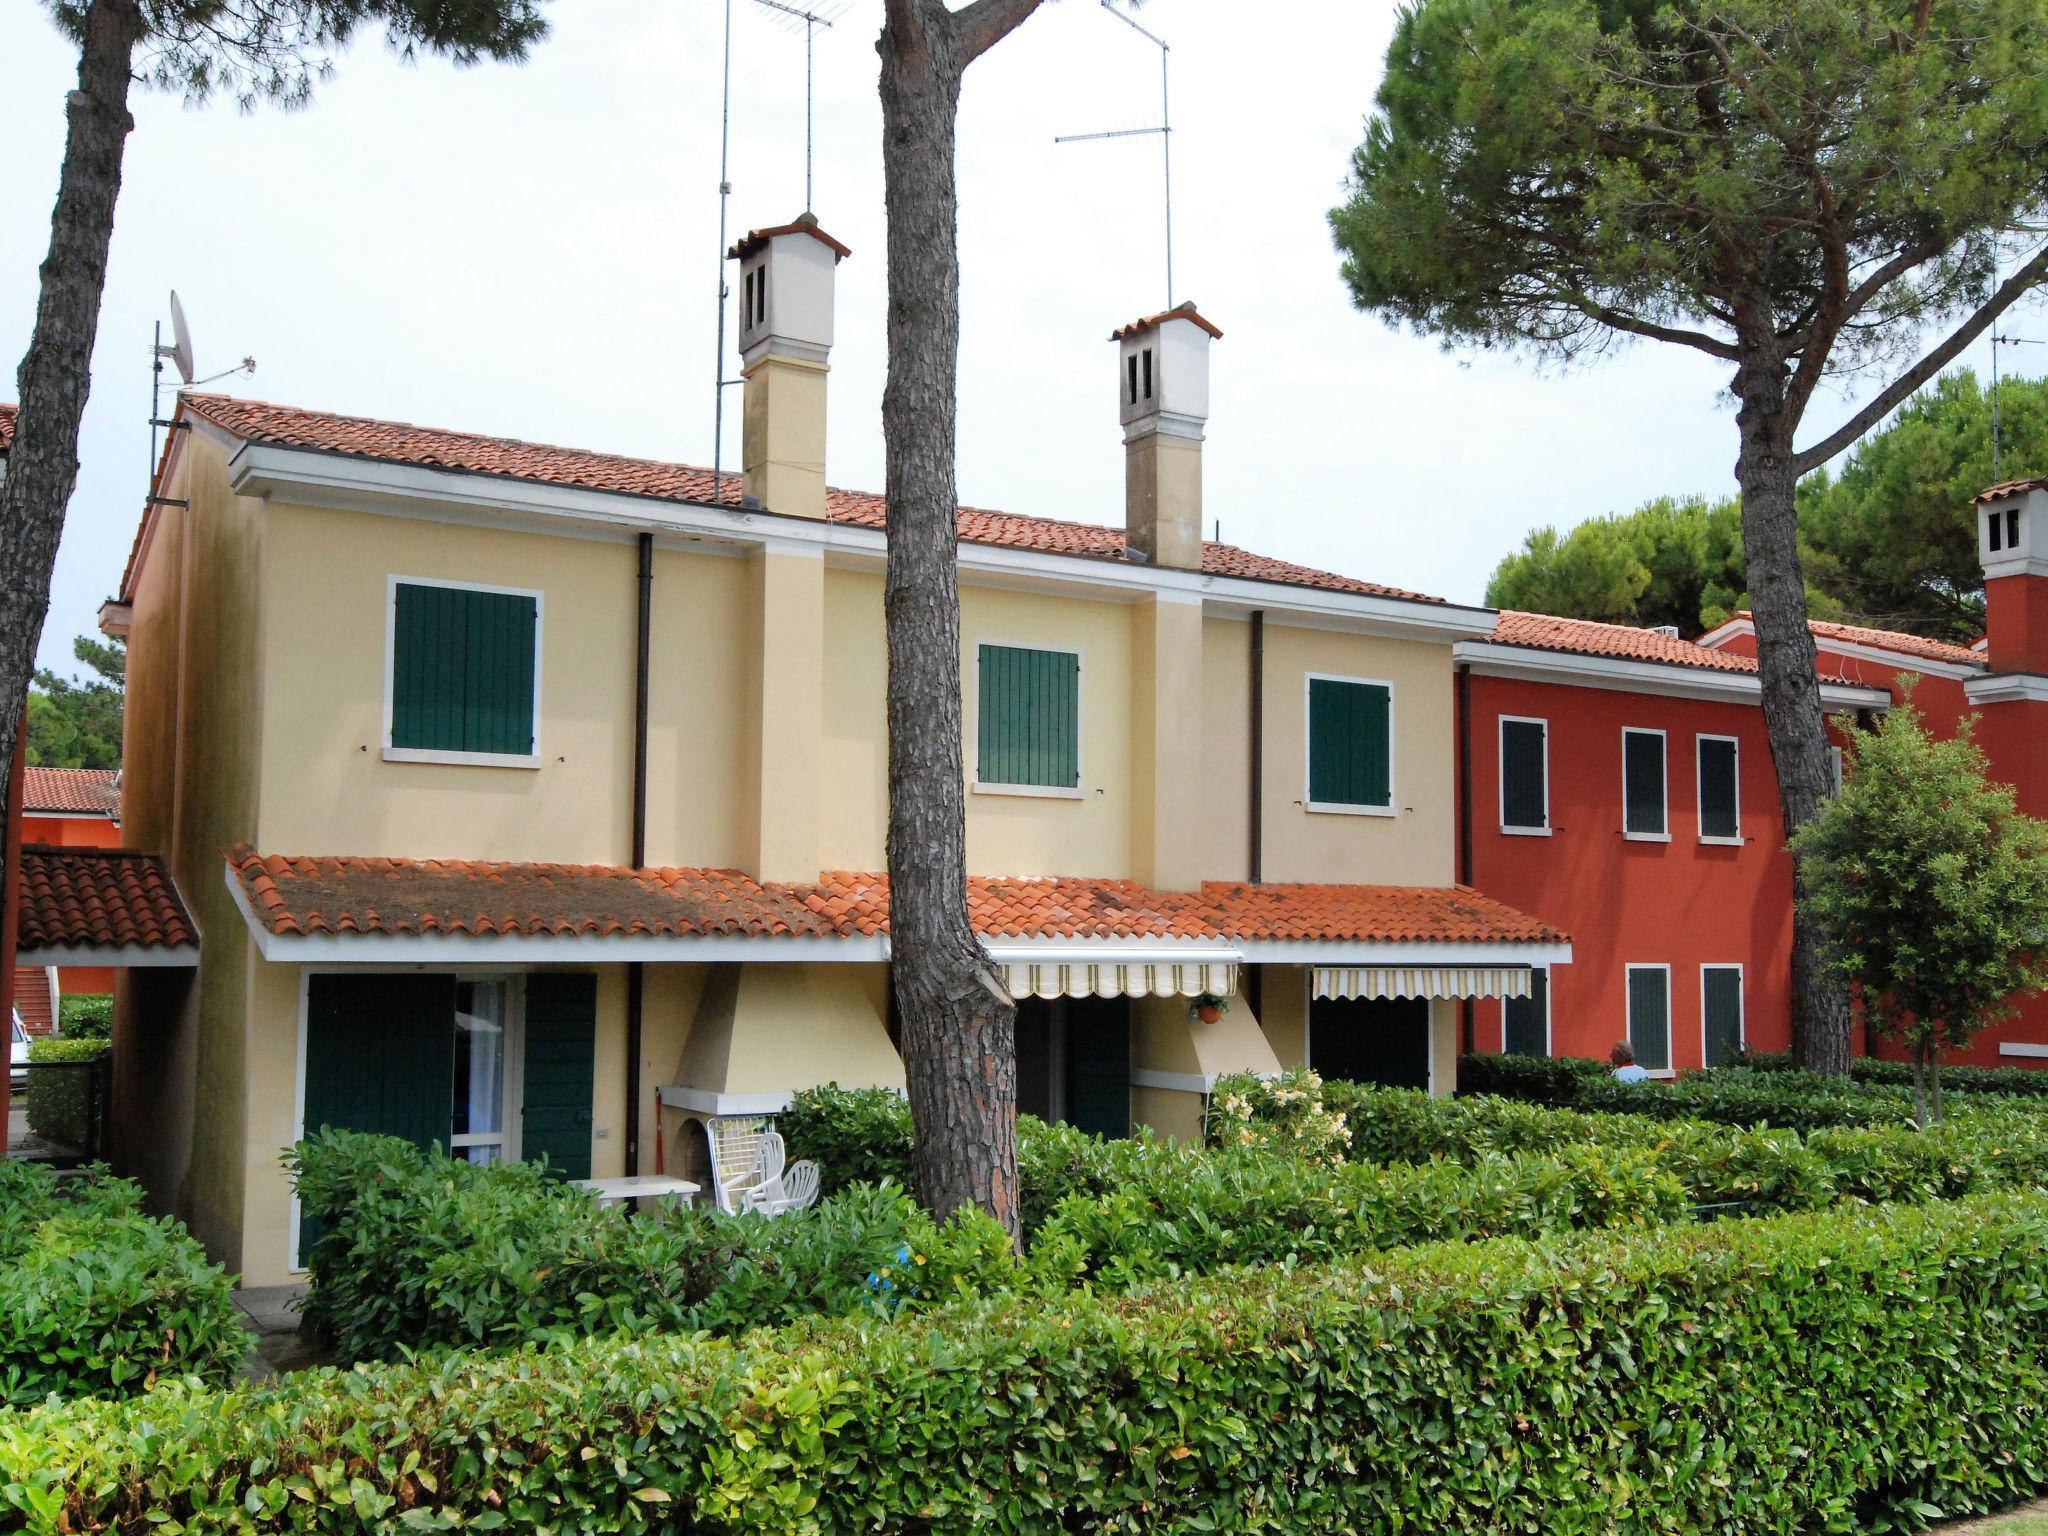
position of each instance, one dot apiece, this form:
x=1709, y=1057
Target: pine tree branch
x=1622, y=321
x=987, y=22
x=2015, y=288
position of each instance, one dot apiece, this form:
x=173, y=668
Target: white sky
x=530, y=252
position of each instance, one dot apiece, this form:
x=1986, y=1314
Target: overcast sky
x=533, y=252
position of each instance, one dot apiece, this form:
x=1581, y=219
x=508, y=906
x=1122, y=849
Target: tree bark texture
x=55, y=376
x=958, y=1023
x=1786, y=664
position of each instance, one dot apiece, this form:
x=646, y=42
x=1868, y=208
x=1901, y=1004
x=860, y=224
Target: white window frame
x=1628, y=1006
x=1501, y=774
x=1836, y=762
x=1741, y=1004
x=1664, y=751
x=1334, y=807
x=1549, y=1012
x=393, y=754
x=514, y=978
x=1699, y=788
x=980, y=786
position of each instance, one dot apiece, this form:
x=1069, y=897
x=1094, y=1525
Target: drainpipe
x=1255, y=850
x=636, y=978
x=1464, y=683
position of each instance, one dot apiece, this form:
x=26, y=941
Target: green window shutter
x=1098, y=1045
x=1525, y=1027
x=1649, y=1016
x=380, y=1058
x=462, y=669
x=1717, y=788
x=1350, y=742
x=1030, y=717
x=1642, y=774
x=1721, y=996
x=1523, y=767
x=560, y=1068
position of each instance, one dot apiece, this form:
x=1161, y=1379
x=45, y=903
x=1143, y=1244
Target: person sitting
x=1625, y=1069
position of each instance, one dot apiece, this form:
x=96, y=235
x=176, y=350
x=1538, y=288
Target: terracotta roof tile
x=2011, y=488
x=7, y=426
x=398, y=896
x=469, y=453
x=79, y=791
x=1894, y=640
x=1586, y=637
x=100, y=897
x=1185, y=310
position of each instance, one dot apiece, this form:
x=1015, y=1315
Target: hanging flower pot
x=1208, y=1008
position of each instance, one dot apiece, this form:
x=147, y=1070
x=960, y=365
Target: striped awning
x=1075, y=978
x=1421, y=981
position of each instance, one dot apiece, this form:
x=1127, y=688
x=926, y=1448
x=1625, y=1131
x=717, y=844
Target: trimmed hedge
x=1859, y=1371
x=85, y=1015
x=59, y=1102
x=422, y=1250
x=1729, y=1095
x=97, y=1298
x=2021, y=1082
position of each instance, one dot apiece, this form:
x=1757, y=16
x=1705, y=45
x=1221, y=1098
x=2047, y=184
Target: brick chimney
x=1163, y=403
x=2010, y=523
x=785, y=338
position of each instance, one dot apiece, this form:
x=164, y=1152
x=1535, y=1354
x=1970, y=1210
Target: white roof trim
x=2006, y=688
x=125, y=956
x=1883, y=656
x=1626, y=675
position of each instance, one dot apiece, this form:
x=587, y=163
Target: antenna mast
x=1164, y=130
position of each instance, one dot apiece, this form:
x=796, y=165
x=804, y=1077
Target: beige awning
x=1421, y=981
x=1074, y=978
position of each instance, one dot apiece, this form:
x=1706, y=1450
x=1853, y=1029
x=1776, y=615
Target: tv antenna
x=792, y=17
x=1164, y=131
x=180, y=354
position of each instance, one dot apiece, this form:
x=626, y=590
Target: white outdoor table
x=643, y=1186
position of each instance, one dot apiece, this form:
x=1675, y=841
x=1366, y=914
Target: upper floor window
x=1030, y=720
x=1644, y=813
x=1350, y=745
x=464, y=683
x=1524, y=776
x=1720, y=794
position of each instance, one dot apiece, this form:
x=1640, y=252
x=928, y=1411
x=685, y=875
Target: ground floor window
x=1649, y=1016
x=1074, y=1062
x=1721, y=1013
x=1525, y=1021
x=1382, y=1040
x=477, y=1128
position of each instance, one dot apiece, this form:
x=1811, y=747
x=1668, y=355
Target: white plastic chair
x=794, y=1190
x=763, y=1170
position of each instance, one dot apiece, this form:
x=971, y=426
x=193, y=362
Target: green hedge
x=1730, y=1095
x=86, y=1016
x=2021, y=1082
x=1863, y=1371
x=61, y=1101
x=422, y=1250
x=97, y=1298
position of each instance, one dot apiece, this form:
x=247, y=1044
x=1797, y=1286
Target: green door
x=1382, y=1040
x=1525, y=1021
x=378, y=1059
x=561, y=1048
x=1098, y=1046
x=1721, y=996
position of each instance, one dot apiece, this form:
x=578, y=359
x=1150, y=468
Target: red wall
x=1683, y=903
x=75, y=832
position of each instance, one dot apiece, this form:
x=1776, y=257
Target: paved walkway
x=276, y=1346
x=2027, y=1520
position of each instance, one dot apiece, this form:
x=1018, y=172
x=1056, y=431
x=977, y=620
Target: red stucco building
x=65, y=808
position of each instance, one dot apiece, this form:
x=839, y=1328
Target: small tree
x=1933, y=887
x=76, y=722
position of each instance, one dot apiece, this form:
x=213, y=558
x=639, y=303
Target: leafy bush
x=1730, y=1095
x=86, y=1016
x=63, y=1101
x=1284, y=1114
x=97, y=1298
x=1854, y=1371
x=421, y=1250
x=2021, y=1082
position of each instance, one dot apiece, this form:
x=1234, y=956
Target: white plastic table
x=643, y=1186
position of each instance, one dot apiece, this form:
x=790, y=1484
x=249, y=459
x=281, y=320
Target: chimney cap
x=2011, y=488
x=1184, y=310
x=802, y=224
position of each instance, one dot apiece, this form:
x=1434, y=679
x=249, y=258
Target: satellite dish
x=181, y=340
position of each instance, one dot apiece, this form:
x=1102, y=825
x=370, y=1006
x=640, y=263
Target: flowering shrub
x=1284, y=1114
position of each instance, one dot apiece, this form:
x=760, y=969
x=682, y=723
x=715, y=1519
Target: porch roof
x=101, y=906
x=844, y=915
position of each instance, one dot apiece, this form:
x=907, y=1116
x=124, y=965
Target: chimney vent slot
x=1132, y=364
x=2012, y=527
x=1148, y=373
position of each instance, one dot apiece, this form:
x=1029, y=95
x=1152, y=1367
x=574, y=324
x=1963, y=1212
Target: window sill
x=1031, y=791
x=462, y=759
x=1525, y=831
x=1647, y=837
x=1664, y=1075
x=1331, y=808
x=1724, y=842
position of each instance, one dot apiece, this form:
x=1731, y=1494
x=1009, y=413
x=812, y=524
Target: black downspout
x=636, y=979
x=1464, y=671
x=1255, y=850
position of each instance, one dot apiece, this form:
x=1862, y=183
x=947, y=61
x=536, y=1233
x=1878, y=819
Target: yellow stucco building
x=533, y=800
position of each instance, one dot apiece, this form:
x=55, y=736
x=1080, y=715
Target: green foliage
x=61, y=1100
x=1668, y=562
x=1930, y=882
x=2016, y=1082
x=421, y=1251
x=1864, y=1371
x=86, y=1016
x=1284, y=1114
x=75, y=722
x=1727, y=1095
x=97, y=1298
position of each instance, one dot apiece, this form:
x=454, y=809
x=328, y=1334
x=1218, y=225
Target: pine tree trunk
x=958, y=1024
x=1934, y=1075
x=1791, y=688
x=55, y=376
x=1919, y=1087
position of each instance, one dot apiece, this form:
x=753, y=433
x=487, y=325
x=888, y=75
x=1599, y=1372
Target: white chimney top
x=785, y=290
x=1163, y=373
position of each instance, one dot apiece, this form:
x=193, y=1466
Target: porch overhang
x=102, y=906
